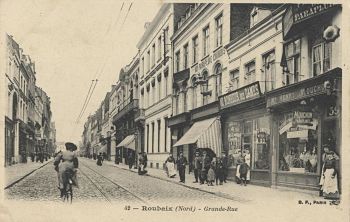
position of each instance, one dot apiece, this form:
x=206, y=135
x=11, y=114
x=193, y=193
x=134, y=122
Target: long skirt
x=238, y=176
x=211, y=175
x=63, y=169
x=171, y=169
x=330, y=185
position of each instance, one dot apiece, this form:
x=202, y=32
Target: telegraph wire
x=87, y=95
x=126, y=16
x=98, y=74
x=116, y=21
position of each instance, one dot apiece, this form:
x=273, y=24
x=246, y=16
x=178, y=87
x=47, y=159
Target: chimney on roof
x=147, y=24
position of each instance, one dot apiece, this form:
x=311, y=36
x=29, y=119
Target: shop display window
x=250, y=136
x=298, y=142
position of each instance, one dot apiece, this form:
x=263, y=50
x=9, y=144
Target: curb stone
x=219, y=194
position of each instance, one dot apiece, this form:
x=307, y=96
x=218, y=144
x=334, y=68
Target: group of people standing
x=206, y=169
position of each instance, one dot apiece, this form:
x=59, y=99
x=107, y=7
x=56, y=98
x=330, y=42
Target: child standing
x=211, y=173
x=243, y=170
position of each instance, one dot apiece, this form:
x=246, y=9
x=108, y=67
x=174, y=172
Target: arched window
x=218, y=73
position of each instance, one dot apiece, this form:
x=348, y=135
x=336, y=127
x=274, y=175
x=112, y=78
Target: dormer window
x=254, y=17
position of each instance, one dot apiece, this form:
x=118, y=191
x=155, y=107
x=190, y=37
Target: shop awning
x=205, y=133
x=128, y=142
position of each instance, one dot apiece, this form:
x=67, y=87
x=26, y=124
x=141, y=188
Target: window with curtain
x=195, y=49
x=249, y=73
x=186, y=56
x=321, y=55
x=206, y=42
x=292, y=51
x=177, y=61
x=218, y=24
x=269, y=74
x=218, y=73
x=234, y=79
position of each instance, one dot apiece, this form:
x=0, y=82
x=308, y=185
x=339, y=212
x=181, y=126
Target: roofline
x=156, y=20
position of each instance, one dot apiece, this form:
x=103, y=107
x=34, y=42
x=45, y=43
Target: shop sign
x=297, y=134
x=208, y=60
x=297, y=94
x=298, y=120
x=303, y=12
x=241, y=95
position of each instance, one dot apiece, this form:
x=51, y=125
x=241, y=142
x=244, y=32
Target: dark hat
x=71, y=146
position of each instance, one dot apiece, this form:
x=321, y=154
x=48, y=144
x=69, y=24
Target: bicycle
x=67, y=193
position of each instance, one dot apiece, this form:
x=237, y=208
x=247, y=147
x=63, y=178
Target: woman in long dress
x=170, y=166
x=329, y=180
x=68, y=165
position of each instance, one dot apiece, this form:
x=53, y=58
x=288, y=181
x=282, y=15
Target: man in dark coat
x=224, y=160
x=130, y=160
x=181, y=166
x=205, y=167
x=197, y=166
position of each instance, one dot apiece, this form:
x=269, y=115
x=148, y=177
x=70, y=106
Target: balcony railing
x=134, y=104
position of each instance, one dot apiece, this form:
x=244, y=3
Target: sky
x=71, y=42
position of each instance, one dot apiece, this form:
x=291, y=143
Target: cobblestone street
x=107, y=183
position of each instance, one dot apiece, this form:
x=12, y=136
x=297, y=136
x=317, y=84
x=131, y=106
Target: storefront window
x=234, y=141
x=261, y=146
x=251, y=135
x=298, y=142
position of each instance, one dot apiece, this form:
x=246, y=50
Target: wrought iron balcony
x=131, y=106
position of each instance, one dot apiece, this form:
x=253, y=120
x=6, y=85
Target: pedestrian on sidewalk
x=224, y=161
x=142, y=163
x=329, y=180
x=247, y=161
x=130, y=160
x=145, y=160
x=243, y=171
x=170, y=166
x=205, y=168
x=197, y=166
x=219, y=171
x=181, y=166
x=240, y=160
x=99, y=160
x=211, y=172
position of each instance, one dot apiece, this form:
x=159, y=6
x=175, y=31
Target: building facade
x=25, y=107
x=200, y=65
x=127, y=108
x=155, y=83
x=279, y=85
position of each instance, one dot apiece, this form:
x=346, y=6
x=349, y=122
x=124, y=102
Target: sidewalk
x=17, y=172
x=232, y=190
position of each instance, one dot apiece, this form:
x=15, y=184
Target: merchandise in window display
x=298, y=143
